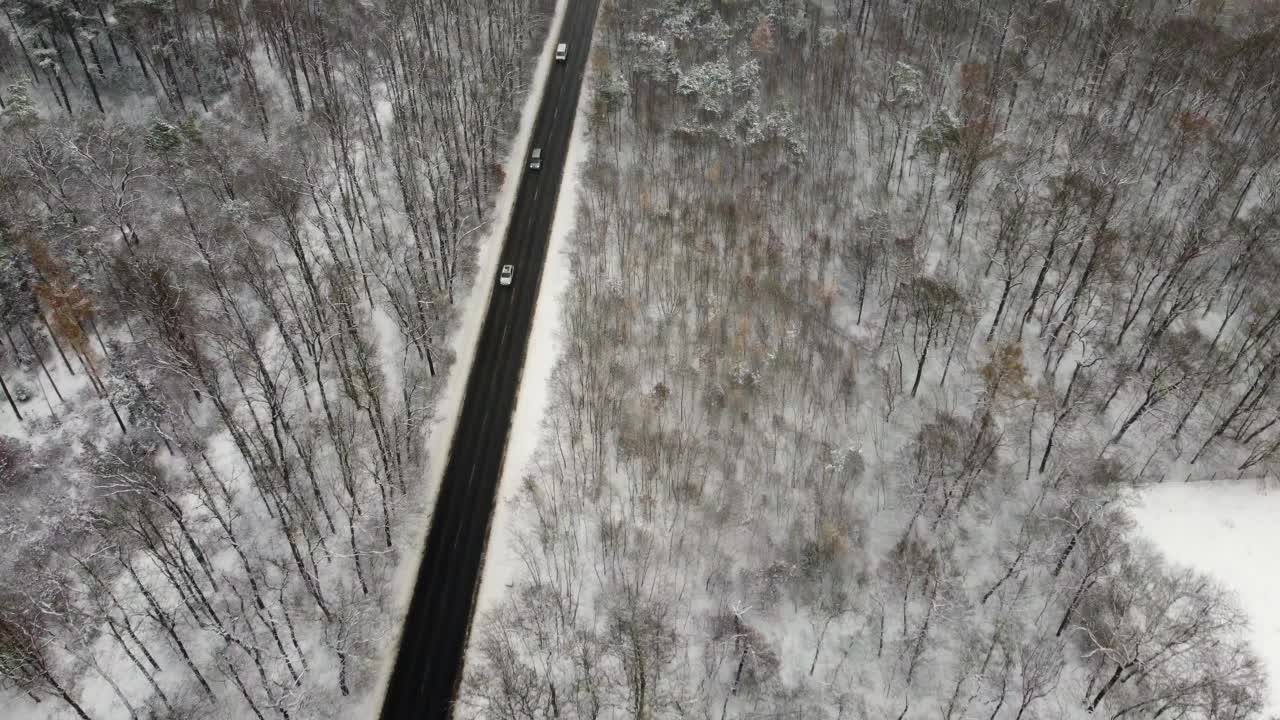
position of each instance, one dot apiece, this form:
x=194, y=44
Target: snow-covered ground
x=1229, y=531
x=760, y=492
x=96, y=692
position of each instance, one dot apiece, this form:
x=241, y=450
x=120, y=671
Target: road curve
x=428, y=666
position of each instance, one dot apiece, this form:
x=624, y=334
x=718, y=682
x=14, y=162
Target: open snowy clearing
x=1228, y=531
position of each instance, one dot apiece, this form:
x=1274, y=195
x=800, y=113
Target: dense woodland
x=232, y=239
x=880, y=312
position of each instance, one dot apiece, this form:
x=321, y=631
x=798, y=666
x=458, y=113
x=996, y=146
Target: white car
x=504, y=277
x=535, y=159
x=562, y=52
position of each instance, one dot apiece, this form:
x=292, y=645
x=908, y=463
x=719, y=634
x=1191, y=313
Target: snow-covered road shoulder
x=501, y=562
x=475, y=304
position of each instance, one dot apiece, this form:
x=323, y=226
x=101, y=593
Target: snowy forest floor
x=863, y=358
x=214, y=505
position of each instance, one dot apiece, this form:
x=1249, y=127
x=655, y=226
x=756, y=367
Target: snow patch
x=1228, y=531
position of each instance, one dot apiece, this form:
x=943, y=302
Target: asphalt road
x=429, y=660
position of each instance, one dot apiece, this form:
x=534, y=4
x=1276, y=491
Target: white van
x=562, y=52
